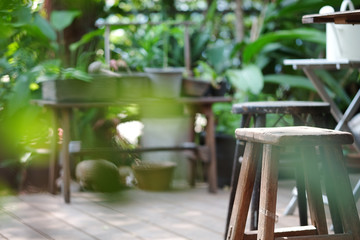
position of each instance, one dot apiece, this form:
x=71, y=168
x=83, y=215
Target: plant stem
x=166, y=48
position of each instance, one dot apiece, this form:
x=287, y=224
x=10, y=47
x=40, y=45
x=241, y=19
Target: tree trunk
x=90, y=12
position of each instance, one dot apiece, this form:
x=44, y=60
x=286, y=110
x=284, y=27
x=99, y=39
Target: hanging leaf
x=22, y=16
x=305, y=34
x=44, y=27
x=249, y=78
x=62, y=19
x=86, y=39
x=290, y=80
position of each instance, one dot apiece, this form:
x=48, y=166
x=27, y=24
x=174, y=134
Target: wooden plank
x=281, y=107
x=123, y=214
x=294, y=135
x=243, y=192
x=268, y=192
x=320, y=237
x=344, y=17
x=313, y=188
x=12, y=227
x=285, y=232
x=153, y=213
x=342, y=190
x=322, y=63
x=210, y=143
x=85, y=222
x=39, y=222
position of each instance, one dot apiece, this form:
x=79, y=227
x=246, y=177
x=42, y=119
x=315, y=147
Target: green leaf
x=73, y=73
x=20, y=96
x=290, y=80
x=62, y=19
x=219, y=57
x=305, y=34
x=334, y=85
x=44, y=27
x=249, y=78
x=86, y=38
x=22, y=16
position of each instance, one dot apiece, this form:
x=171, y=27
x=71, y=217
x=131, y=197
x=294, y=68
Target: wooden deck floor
x=131, y=214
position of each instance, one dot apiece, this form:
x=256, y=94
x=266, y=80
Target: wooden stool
x=302, y=113
x=317, y=147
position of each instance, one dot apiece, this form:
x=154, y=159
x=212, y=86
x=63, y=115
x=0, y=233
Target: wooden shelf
x=345, y=17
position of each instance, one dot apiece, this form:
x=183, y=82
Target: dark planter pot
x=9, y=178
x=36, y=179
x=154, y=176
x=225, y=149
x=221, y=90
x=101, y=88
x=195, y=87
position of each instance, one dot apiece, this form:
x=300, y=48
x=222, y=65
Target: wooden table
x=309, y=66
x=63, y=110
x=345, y=17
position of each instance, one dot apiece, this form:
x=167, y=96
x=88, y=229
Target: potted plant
x=152, y=176
x=60, y=82
x=71, y=84
x=166, y=78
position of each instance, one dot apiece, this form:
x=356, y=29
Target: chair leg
x=329, y=182
x=234, y=178
x=313, y=188
x=268, y=193
x=290, y=208
x=243, y=192
x=342, y=190
x=239, y=151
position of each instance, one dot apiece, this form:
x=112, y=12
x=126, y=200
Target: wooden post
x=65, y=153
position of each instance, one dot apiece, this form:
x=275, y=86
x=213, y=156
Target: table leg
x=350, y=111
x=210, y=142
x=65, y=123
x=335, y=111
x=53, y=153
x=260, y=121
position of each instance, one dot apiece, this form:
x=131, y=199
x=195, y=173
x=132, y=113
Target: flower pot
x=154, y=176
x=168, y=132
x=165, y=82
x=135, y=85
x=100, y=88
x=195, y=87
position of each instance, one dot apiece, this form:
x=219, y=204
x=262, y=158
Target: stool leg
x=301, y=195
x=313, y=188
x=342, y=191
x=243, y=192
x=260, y=121
x=234, y=178
x=329, y=182
x=239, y=151
x=268, y=193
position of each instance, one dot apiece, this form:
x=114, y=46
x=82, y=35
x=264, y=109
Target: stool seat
x=294, y=135
x=285, y=107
